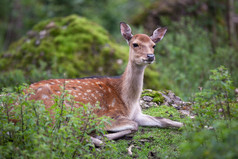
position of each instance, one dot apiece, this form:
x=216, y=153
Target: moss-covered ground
x=151, y=142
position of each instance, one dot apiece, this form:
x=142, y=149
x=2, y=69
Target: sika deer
x=118, y=97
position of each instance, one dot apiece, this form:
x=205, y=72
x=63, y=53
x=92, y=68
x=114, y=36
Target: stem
x=37, y=118
x=62, y=104
x=84, y=131
x=228, y=106
x=8, y=118
x=223, y=111
x=71, y=111
x=22, y=122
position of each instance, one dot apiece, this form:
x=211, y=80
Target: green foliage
x=213, y=144
x=186, y=54
x=184, y=58
x=213, y=132
x=216, y=103
x=61, y=132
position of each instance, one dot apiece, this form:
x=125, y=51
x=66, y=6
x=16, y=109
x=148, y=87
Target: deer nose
x=150, y=57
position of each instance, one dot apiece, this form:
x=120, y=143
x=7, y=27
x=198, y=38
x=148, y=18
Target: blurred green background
x=70, y=39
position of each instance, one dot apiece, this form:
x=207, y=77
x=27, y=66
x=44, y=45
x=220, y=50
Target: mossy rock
x=66, y=47
x=156, y=95
x=72, y=45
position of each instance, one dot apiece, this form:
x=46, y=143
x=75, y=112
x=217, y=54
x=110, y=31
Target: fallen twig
x=129, y=150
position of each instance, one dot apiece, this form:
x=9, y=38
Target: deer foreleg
x=121, y=127
x=146, y=120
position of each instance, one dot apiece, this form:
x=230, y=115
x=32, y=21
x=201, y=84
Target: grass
x=151, y=142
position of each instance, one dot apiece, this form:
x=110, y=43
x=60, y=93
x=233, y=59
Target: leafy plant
x=29, y=130
x=213, y=132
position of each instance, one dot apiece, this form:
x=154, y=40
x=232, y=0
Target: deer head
x=141, y=45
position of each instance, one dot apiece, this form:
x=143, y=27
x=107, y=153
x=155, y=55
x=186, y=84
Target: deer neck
x=132, y=83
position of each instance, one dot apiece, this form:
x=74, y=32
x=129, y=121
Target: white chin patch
x=147, y=62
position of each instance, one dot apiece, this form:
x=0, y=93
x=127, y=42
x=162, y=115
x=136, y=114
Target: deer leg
x=96, y=142
x=146, y=120
x=117, y=135
x=121, y=127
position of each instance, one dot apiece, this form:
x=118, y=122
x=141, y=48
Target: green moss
x=156, y=95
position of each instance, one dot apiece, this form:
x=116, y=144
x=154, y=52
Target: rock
x=144, y=104
x=187, y=113
x=147, y=98
x=42, y=34
x=168, y=100
x=152, y=104
x=151, y=98
x=176, y=106
x=37, y=42
x=50, y=25
x=31, y=34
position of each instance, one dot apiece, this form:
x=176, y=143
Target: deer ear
x=126, y=31
x=158, y=34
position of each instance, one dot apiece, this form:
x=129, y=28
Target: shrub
x=39, y=134
x=213, y=132
x=185, y=57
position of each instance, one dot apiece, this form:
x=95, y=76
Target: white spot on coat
x=113, y=102
x=44, y=96
x=39, y=89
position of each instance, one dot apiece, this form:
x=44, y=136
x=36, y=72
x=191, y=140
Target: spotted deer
x=118, y=96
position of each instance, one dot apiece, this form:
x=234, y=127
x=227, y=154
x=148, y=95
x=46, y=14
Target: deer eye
x=135, y=45
x=154, y=46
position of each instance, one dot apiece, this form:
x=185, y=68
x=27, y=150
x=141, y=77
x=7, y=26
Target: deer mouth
x=148, y=61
